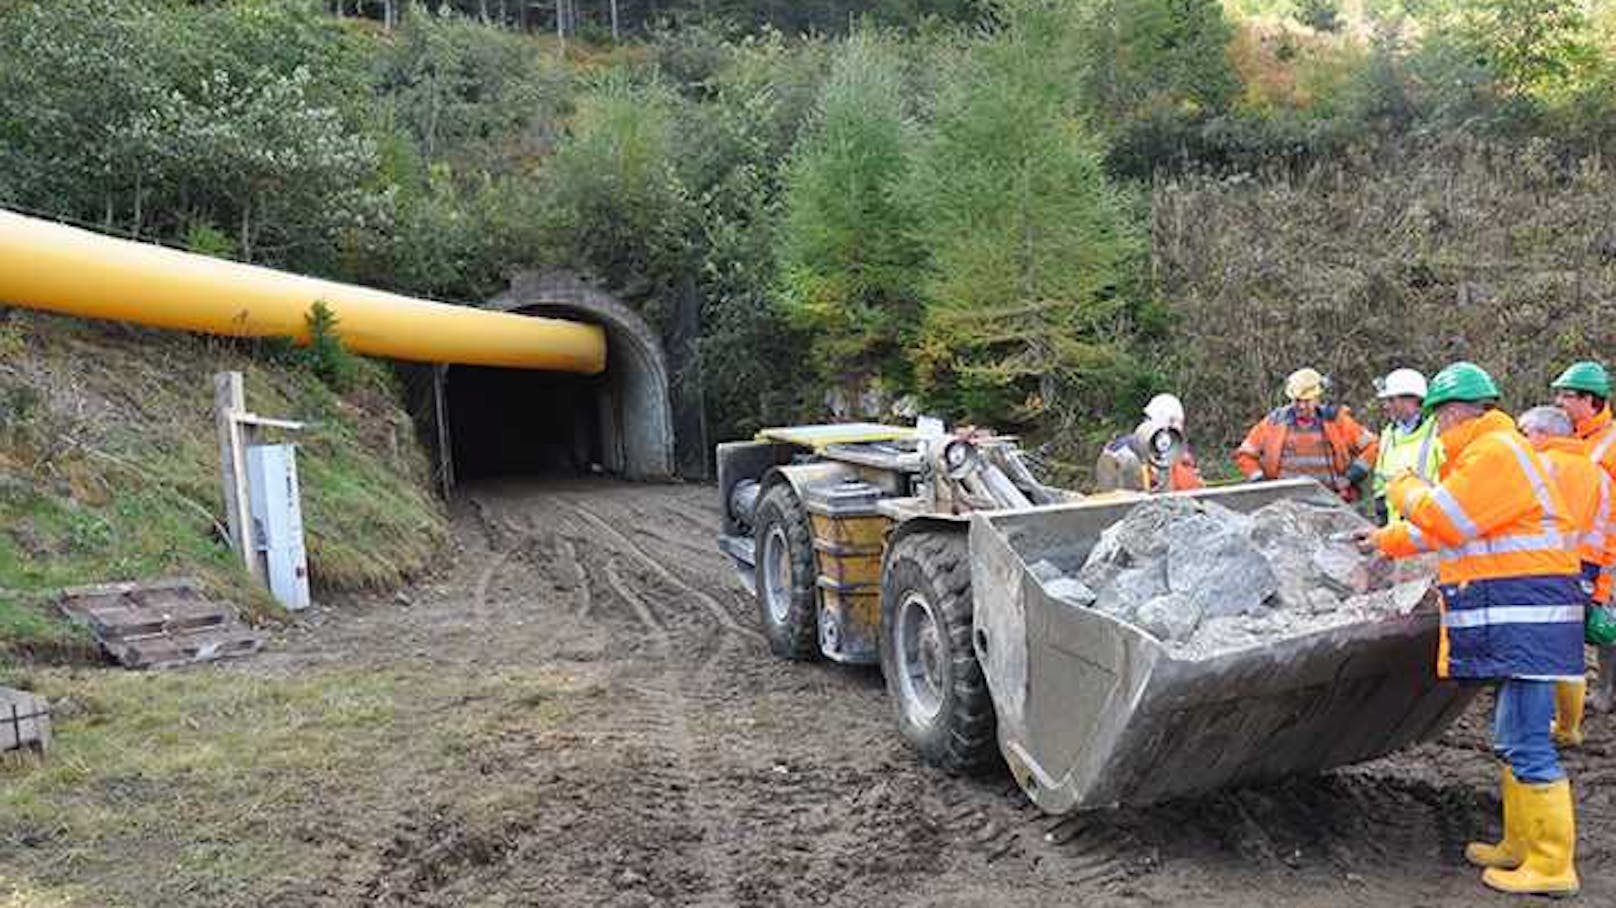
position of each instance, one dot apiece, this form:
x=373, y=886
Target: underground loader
x=873, y=544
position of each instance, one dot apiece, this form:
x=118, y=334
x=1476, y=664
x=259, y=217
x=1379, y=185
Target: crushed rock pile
x=1203, y=578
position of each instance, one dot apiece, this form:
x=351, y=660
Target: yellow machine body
x=849, y=537
x=820, y=437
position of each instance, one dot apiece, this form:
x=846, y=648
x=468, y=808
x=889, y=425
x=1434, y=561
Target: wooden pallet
x=159, y=625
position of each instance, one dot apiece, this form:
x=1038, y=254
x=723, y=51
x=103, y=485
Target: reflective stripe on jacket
x=1419, y=451
x=1274, y=448
x=1604, y=563
x=1512, y=599
x=1599, y=433
x=1586, y=490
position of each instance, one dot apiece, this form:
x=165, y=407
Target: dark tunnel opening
x=497, y=422
x=518, y=422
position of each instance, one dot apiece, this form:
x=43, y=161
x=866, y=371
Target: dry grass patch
x=220, y=787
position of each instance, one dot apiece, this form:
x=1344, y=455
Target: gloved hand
x=1364, y=539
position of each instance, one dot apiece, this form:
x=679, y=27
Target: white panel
x=277, y=520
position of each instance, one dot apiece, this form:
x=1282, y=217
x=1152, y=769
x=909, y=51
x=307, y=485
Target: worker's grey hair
x=1551, y=421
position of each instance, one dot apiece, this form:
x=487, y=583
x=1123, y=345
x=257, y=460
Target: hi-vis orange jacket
x=1587, y=490
x=1348, y=453
x=1512, y=598
x=1598, y=432
x=1183, y=476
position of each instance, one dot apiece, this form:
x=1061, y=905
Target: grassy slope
x=108, y=470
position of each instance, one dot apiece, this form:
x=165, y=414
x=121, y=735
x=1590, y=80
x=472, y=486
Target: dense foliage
x=939, y=200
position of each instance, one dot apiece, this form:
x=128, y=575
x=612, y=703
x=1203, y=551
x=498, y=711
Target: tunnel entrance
x=515, y=422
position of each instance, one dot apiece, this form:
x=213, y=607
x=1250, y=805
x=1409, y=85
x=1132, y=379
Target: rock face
x=1132, y=588
x=1172, y=617
x=1203, y=578
x=1212, y=562
x=1071, y=591
x=1306, y=545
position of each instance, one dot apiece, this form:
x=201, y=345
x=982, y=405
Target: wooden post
x=440, y=419
x=229, y=403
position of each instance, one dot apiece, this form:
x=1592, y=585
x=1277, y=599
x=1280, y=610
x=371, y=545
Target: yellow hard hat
x=1304, y=384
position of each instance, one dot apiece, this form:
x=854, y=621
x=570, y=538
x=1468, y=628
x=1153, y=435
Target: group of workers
x=1518, y=513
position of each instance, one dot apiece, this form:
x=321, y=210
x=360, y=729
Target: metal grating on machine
x=161, y=624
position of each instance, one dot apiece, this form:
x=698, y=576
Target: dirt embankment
x=674, y=762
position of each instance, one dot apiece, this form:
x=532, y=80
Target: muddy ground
x=691, y=768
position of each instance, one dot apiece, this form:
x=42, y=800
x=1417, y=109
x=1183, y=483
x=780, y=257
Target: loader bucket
x=1094, y=712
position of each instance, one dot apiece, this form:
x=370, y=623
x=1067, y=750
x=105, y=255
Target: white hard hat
x=1165, y=410
x=1402, y=383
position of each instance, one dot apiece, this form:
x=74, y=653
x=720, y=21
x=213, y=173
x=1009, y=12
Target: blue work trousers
x=1521, y=730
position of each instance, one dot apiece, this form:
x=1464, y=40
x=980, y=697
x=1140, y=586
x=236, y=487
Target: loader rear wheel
x=787, y=600
x=936, y=684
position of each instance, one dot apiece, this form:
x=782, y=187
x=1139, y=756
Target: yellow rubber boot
x=1568, y=703
x=1548, y=828
x=1510, y=851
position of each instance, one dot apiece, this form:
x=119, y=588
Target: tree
x=1527, y=44
x=1031, y=247
x=618, y=206
x=1139, y=57
x=850, y=267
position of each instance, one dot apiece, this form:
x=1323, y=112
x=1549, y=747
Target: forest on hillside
x=617, y=19
x=1026, y=213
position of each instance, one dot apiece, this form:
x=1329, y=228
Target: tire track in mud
x=704, y=771
x=720, y=614
x=1336, y=825
x=738, y=811
x=996, y=824
x=657, y=694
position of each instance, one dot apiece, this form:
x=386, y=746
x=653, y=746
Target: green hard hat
x=1460, y=381
x=1584, y=376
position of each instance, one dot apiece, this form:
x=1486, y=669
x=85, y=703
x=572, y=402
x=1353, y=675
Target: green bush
x=323, y=354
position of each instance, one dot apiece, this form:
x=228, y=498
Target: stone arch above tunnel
x=636, y=415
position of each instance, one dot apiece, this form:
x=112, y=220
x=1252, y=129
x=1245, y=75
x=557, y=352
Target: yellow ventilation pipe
x=44, y=265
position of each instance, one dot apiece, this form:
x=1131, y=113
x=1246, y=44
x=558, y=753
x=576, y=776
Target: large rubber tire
x=787, y=600
x=937, y=686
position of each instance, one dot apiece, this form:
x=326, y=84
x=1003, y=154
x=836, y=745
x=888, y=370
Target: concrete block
x=24, y=721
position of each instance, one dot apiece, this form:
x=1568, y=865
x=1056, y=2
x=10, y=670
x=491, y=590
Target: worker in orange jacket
x=1583, y=392
x=1587, y=492
x=1308, y=438
x=1512, y=611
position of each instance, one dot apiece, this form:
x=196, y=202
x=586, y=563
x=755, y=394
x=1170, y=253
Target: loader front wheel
x=937, y=686
x=787, y=600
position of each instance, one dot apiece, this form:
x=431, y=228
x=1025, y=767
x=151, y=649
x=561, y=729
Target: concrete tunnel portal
x=496, y=422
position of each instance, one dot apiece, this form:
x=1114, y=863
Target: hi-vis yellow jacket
x=1419, y=451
